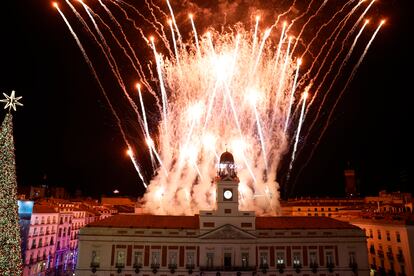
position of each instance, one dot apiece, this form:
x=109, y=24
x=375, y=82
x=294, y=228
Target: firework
x=237, y=89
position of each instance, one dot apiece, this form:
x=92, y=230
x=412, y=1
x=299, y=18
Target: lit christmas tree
x=10, y=252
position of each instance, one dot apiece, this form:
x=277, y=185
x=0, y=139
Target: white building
x=224, y=241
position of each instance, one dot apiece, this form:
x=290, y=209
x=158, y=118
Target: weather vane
x=11, y=101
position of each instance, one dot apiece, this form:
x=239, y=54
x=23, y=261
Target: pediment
x=227, y=232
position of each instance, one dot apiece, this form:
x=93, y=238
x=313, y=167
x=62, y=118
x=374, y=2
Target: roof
x=43, y=209
x=148, y=221
x=298, y=222
x=192, y=222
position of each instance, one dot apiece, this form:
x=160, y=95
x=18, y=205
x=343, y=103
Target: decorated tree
x=10, y=252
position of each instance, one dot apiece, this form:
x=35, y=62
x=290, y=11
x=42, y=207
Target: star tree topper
x=11, y=101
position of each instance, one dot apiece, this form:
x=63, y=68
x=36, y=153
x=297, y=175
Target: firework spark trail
x=306, y=24
x=326, y=73
x=325, y=96
x=92, y=68
x=279, y=46
x=256, y=27
x=139, y=70
x=292, y=22
x=136, y=166
x=282, y=78
x=144, y=115
x=334, y=36
x=325, y=25
x=160, y=32
x=337, y=31
x=158, y=61
x=173, y=20
x=292, y=159
x=125, y=39
x=338, y=98
x=174, y=41
x=110, y=59
x=195, y=33
x=259, y=55
x=292, y=93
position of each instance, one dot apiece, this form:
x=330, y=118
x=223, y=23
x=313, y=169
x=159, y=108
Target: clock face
x=227, y=194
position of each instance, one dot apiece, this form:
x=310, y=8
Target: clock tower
x=227, y=200
x=227, y=184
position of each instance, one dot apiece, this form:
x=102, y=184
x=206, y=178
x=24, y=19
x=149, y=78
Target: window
x=155, y=258
x=210, y=259
x=190, y=258
x=40, y=243
x=388, y=235
x=137, y=258
x=60, y=232
x=330, y=258
x=296, y=259
x=245, y=259
x=352, y=258
x=313, y=258
x=298, y=209
x=120, y=258
x=263, y=259
x=397, y=234
x=371, y=233
x=379, y=234
x=172, y=259
x=33, y=244
x=280, y=258
x=94, y=259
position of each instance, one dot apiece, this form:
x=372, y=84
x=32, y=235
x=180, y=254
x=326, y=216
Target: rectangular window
x=371, y=233
x=330, y=258
x=190, y=258
x=297, y=259
x=280, y=258
x=120, y=258
x=246, y=224
x=397, y=234
x=210, y=259
x=313, y=257
x=173, y=258
x=388, y=235
x=155, y=258
x=94, y=258
x=138, y=259
x=245, y=259
x=379, y=234
x=263, y=259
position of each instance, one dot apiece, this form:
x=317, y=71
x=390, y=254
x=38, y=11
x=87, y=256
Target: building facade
x=224, y=241
x=390, y=245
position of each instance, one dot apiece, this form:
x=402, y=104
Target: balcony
x=314, y=266
x=94, y=264
x=281, y=267
x=155, y=266
x=119, y=265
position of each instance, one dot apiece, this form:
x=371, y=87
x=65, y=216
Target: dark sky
x=66, y=131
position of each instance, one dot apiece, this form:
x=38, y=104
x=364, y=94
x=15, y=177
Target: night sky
x=65, y=134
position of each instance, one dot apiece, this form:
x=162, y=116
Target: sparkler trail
x=231, y=89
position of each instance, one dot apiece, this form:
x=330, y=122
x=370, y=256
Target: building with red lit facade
x=224, y=241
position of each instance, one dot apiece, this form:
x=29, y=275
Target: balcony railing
x=155, y=266
x=119, y=265
x=94, y=264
